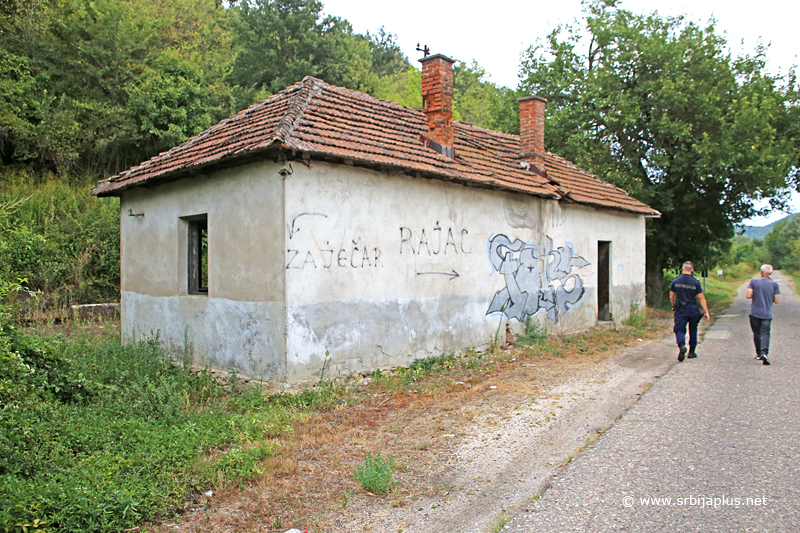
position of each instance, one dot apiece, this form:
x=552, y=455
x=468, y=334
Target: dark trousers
x=760, y=327
x=687, y=315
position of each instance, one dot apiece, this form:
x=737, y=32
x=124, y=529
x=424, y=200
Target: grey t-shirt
x=764, y=291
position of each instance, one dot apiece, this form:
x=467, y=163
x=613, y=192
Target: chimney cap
x=526, y=98
x=436, y=56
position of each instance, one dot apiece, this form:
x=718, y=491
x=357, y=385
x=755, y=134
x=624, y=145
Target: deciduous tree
x=282, y=41
x=658, y=107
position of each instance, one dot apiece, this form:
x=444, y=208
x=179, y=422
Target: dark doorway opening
x=603, y=280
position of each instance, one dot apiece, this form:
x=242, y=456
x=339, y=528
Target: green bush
x=735, y=271
x=64, y=241
x=534, y=333
x=95, y=436
x=375, y=474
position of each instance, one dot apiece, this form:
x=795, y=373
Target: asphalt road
x=714, y=445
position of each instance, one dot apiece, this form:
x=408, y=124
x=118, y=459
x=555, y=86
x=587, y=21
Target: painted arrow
x=292, y=231
x=453, y=274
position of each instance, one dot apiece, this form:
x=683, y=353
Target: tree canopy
x=93, y=87
x=657, y=107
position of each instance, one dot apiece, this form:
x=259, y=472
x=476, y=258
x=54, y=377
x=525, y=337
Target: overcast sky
x=495, y=33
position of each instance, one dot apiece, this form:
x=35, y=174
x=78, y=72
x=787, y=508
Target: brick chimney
x=531, y=132
x=437, y=102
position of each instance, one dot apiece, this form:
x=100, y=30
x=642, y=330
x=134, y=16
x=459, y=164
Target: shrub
x=534, y=333
x=59, y=237
x=96, y=437
x=375, y=474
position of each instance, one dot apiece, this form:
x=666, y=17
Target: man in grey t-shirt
x=763, y=292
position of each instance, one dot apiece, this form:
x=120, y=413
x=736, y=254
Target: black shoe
x=764, y=358
x=681, y=352
x=691, y=355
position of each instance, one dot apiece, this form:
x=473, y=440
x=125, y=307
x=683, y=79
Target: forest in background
x=655, y=105
x=92, y=88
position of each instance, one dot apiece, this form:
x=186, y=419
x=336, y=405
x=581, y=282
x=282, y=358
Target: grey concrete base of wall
x=108, y=311
x=213, y=332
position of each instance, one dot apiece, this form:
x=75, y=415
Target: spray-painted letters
x=535, y=282
x=355, y=254
x=435, y=241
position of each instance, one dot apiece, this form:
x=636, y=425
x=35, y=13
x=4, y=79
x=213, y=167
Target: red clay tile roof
x=330, y=122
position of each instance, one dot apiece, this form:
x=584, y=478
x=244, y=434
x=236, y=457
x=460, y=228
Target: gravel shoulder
x=511, y=452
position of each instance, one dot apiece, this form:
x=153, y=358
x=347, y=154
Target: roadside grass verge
x=792, y=276
x=99, y=437
x=95, y=436
x=720, y=293
x=436, y=372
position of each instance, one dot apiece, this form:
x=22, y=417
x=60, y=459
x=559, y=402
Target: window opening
x=198, y=256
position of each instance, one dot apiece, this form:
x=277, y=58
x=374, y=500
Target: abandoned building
x=323, y=227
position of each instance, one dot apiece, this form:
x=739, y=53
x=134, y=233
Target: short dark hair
x=688, y=264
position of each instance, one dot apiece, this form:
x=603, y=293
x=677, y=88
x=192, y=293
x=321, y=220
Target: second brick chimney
x=531, y=131
x=437, y=101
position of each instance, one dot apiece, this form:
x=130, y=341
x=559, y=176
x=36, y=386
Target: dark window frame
x=197, y=259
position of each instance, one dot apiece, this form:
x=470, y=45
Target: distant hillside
x=759, y=232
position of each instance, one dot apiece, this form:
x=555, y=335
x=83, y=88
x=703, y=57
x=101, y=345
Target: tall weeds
x=59, y=239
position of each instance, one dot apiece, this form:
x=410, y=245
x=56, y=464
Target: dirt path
x=472, y=451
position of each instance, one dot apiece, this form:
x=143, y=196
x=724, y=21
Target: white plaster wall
x=241, y=322
x=366, y=288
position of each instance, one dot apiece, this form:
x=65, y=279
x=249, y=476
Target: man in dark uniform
x=684, y=292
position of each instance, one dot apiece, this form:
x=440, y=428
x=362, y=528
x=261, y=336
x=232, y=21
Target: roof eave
x=107, y=188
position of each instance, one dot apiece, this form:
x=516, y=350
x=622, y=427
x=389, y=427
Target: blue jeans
x=760, y=327
x=687, y=315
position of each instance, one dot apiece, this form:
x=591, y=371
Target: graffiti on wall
x=535, y=281
x=434, y=242
x=356, y=254
x=438, y=240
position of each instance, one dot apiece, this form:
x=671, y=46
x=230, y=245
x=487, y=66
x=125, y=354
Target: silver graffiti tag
x=535, y=282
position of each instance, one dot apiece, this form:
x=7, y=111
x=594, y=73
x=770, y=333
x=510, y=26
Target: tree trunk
x=654, y=282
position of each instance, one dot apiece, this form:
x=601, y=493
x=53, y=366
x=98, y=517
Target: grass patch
x=103, y=438
x=500, y=520
x=637, y=320
x=375, y=474
x=95, y=436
